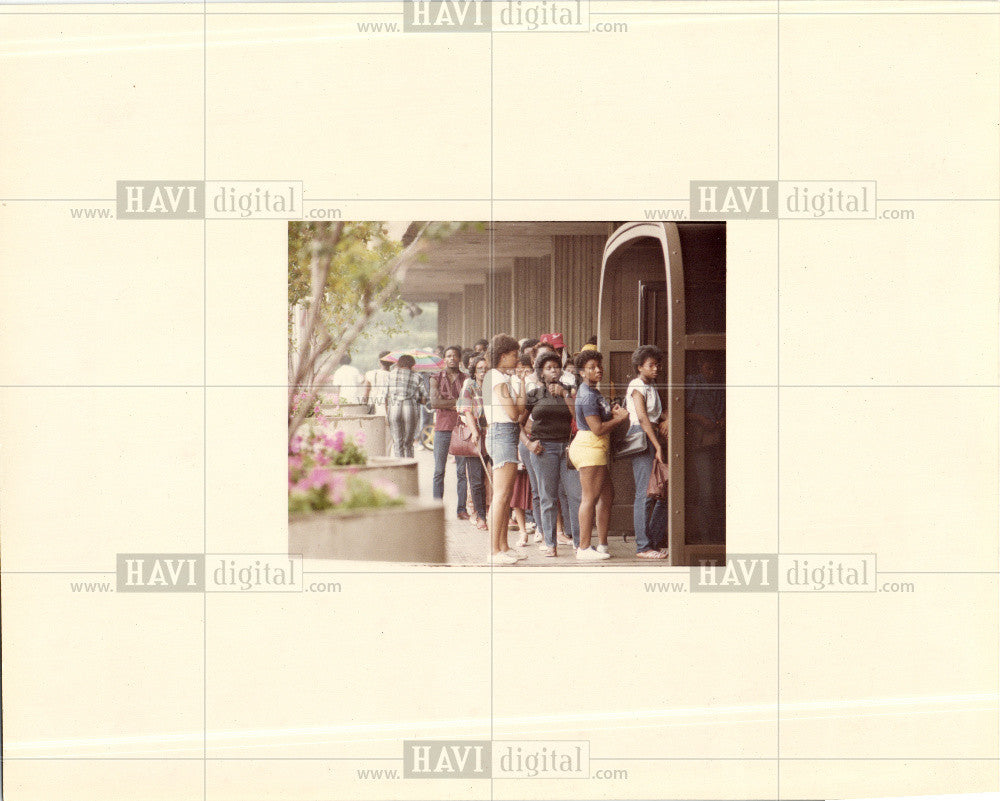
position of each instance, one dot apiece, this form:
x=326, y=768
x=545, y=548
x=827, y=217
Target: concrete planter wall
x=401, y=472
x=410, y=533
x=344, y=409
x=373, y=427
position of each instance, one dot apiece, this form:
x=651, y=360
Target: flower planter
x=410, y=533
x=401, y=472
x=343, y=410
x=372, y=426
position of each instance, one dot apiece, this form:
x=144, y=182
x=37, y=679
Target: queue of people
x=545, y=428
x=541, y=431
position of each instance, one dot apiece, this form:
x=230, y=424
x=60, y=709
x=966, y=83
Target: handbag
x=463, y=443
x=628, y=445
x=659, y=481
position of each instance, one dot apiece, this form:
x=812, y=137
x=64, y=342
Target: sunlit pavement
x=467, y=545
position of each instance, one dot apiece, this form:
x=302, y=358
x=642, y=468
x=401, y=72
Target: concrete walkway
x=467, y=545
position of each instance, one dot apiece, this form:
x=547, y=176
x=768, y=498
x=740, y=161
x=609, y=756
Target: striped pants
x=403, y=418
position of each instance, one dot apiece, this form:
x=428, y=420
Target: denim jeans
x=476, y=481
x=649, y=515
x=557, y=482
x=534, y=514
x=442, y=441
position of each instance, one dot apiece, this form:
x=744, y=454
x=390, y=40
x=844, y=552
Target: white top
x=492, y=403
x=379, y=379
x=654, y=407
x=349, y=380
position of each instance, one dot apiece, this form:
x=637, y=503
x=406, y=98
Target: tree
x=356, y=275
x=354, y=271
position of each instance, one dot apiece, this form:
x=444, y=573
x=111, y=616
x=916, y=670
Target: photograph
x=507, y=393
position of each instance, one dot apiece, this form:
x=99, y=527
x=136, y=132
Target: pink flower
x=318, y=477
x=337, y=442
x=338, y=490
x=360, y=438
x=296, y=445
x=294, y=462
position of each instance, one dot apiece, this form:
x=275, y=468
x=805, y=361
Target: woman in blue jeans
x=551, y=422
x=645, y=411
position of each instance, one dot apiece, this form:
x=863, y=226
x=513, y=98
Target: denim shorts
x=501, y=443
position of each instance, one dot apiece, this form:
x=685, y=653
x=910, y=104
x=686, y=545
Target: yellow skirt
x=589, y=450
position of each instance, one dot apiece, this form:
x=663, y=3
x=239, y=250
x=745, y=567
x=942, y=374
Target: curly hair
x=585, y=356
x=544, y=358
x=499, y=346
x=644, y=352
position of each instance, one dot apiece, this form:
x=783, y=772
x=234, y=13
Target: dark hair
x=644, y=352
x=406, y=361
x=585, y=356
x=529, y=344
x=456, y=348
x=474, y=363
x=345, y=359
x=592, y=340
x=544, y=358
x=524, y=360
x=500, y=346
x=481, y=342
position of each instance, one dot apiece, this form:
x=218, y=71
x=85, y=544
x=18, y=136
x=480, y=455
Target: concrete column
x=474, y=317
x=576, y=273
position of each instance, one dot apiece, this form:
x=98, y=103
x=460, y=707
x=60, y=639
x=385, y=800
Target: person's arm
x=600, y=428
x=368, y=390
x=437, y=402
x=511, y=405
x=639, y=403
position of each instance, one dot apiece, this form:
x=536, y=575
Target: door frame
x=668, y=237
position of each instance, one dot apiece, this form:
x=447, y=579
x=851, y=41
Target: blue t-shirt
x=590, y=402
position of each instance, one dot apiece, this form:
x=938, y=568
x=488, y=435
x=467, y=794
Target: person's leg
x=413, y=419
x=463, y=484
x=442, y=440
x=475, y=476
x=545, y=466
x=591, y=483
x=570, y=497
x=658, y=520
x=522, y=540
x=642, y=468
x=396, y=427
x=535, y=512
x=503, y=488
x=604, y=502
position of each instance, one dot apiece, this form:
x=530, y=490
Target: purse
x=462, y=442
x=628, y=445
x=659, y=481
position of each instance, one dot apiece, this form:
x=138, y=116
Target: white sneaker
x=603, y=549
x=516, y=554
x=530, y=527
x=502, y=559
x=539, y=537
x=590, y=555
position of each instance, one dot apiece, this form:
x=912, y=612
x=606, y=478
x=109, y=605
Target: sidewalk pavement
x=467, y=545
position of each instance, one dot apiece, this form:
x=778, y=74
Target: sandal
x=482, y=525
x=651, y=555
x=522, y=541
